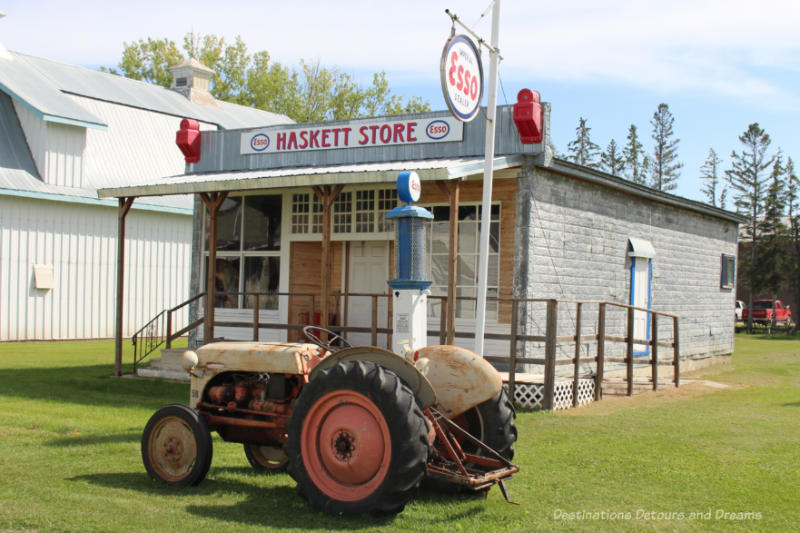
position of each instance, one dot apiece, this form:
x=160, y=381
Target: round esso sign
x=409, y=187
x=462, y=77
x=259, y=142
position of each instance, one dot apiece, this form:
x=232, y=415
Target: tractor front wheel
x=176, y=446
x=357, y=440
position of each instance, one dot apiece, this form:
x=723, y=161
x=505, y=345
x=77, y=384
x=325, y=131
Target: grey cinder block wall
x=572, y=242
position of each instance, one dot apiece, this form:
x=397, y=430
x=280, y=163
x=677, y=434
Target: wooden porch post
x=453, y=191
x=212, y=201
x=326, y=196
x=124, y=206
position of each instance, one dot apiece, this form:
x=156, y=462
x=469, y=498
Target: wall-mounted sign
x=462, y=77
x=354, y=134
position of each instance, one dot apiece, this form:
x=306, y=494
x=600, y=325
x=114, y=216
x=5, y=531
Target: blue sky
x=720, y=65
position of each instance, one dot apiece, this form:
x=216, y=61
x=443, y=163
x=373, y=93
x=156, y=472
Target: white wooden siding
x=81, y=243
x=57, y=149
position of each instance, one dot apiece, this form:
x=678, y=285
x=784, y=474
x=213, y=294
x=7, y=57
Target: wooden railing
x=550, y=343
x=159, y=331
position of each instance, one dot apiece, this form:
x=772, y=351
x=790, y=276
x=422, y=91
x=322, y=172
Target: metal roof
x=625, y=186
x=19, y=177
x=21, y=79
x=428, y=170
x=15, y=156
x=112, y=88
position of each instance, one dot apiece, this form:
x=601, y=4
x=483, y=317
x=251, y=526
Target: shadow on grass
x=792, y=404
x=279, y=507
x=776, y=336
x=90, y=385
x=91, y=440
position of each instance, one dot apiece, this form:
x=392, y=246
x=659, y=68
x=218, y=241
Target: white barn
x=66, y=131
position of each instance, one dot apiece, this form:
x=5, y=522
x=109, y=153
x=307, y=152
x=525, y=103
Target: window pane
x=441, y=212
x=468, y=212
x=229, y=224
x=365, y=211
x=467, y=273
x=494, y=237
x=439, y=269
x=493, y=273
x=387, y=200
x=466, y=308
x=301, y=205
x=227, y=282
x=262, y=223
x=467, y=238
x=440, y=237
x=261, y=275
x=342, y=212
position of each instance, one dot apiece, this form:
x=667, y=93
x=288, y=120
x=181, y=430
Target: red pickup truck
x=768, y=312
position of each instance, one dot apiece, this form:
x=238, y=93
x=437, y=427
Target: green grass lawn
x=70, y=437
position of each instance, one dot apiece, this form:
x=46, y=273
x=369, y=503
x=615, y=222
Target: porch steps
x=168, y=366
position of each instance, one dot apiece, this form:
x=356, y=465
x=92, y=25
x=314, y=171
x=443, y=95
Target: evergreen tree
x=581, y=149
x=747, y=180
x=611, y=160
x=715, y=192
x=633, y=154
x=665, y=166
x=793, y=211
x=771, y=254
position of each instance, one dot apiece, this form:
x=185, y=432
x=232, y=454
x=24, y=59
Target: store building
x=298, y=216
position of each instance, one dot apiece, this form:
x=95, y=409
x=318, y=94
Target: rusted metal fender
x=419, y=385
x=461, y=378
x=274, y=357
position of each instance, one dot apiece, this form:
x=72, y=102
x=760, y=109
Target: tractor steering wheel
x=312, y=334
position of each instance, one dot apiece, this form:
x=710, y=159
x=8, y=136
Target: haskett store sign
x=354, y=134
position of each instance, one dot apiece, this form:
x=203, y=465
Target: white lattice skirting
x=531, y=395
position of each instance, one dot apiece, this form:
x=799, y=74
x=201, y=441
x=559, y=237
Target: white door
x=641, y=270
x=369, y=272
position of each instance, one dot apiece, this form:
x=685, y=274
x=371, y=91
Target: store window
x=355, y=212
x=248, y=251
x=728, y=278
x=437, y=251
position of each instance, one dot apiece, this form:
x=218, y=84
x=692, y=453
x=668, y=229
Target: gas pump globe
x=409, y=288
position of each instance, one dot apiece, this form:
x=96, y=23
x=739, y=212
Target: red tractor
x=357, y=427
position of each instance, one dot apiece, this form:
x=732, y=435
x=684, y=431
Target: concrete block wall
x=572, y=243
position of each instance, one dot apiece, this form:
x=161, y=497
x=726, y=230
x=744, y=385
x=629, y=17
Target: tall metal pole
x=488, y=168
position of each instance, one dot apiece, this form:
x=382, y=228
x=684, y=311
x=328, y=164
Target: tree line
x=763, y=185
x=309, y=93
x=659, y=170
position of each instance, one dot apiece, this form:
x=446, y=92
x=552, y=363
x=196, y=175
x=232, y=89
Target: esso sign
x=259, y=142
x=462, y=77
x=409, y=187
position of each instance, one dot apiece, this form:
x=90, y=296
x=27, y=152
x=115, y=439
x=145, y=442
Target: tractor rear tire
x=491, y=422
x=357, y=441
x=267, y=459
x=498, y=429
x=176, y=446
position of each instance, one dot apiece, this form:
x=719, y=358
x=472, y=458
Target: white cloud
x=718, y=46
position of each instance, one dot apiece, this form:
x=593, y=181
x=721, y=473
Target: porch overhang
x=245, y=180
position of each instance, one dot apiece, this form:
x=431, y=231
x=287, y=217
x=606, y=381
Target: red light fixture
x=188, y=140
x=528, y=116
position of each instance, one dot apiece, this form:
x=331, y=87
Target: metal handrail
x=158, y=332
